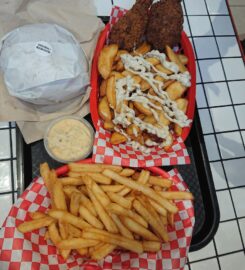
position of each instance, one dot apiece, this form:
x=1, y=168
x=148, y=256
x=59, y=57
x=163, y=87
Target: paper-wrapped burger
x=43, y=64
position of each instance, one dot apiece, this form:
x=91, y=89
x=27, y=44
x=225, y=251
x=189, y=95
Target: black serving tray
x=197, y=175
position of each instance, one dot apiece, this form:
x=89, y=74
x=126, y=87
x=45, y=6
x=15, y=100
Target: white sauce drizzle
x=127, y=89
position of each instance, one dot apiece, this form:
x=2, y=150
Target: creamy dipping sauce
x=69, y=139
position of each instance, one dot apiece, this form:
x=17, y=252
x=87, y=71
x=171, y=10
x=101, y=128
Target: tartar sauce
x=69, y=139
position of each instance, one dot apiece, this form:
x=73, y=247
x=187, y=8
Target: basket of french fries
x=141, y=109
x=99, y=216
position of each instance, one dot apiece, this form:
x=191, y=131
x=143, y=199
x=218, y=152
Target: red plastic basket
x=191, y=92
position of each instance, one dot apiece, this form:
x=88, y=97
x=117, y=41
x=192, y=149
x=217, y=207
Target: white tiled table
x=221, y=106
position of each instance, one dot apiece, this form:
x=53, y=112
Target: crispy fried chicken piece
x=165, y=24
x=129, y=31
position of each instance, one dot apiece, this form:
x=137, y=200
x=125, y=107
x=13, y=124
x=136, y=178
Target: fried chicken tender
x=165, y=24
x=129, y=31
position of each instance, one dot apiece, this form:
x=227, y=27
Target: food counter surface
x=221, y=108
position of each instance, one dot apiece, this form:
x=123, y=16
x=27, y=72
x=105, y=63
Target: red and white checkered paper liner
x=30, y=251
x=125, y=155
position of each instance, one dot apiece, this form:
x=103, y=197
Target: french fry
x=124, y=191
x=117, y=240
x=122, y=229
x=114, y=168
x=106, y=58
x=71, y=181
x=97, y=191
x=159, y=181
x=162, y=69
x=63, y=229
x=100, y=178
x=69, y=218
x=153, y=61
x=119, y=210
x=108, y=125
x=140, y=187
x=68, y=190
x=76, y=243
x=142, y=49
x=74, y=231
x=117, y=138
x=103, y=88
x=88, y=204
x=104, y=109
x=140, y=107
x=102, y=252
x=143, y=177
x=82, y=251
x=119, y=53
x=112, y=188
x=111, y=92
x=127, y=172
x=37, y=215
x=137, y=228
x=164, y=220
x=120, y=200
x=183, y=59
x=74, y=203
x=176, y=195
x=79, y=167
x=174, y=58
x=151, y=246
x=151, y=219
x=59, y=196
x=44, y=171
x=35, y=224
x=55, y=238
x=175, y=90
x=91, y=219
x=161, y=210
x=170, y=219
x=102, y=213
x=46, y=235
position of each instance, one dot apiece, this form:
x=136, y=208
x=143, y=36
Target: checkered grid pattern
x=122, y=154
x=31, y=251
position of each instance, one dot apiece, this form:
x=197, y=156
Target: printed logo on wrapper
x=30, y=251
x=43, y=48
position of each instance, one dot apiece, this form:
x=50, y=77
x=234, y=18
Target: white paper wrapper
x=43, y=64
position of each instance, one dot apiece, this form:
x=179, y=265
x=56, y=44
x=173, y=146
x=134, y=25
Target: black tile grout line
x=224, y=81
x=12, y=169
x=211, y=35
x=188, y=263
x=231, y=188
x=7, y=192
x=197, y=63
x=233, y=205
x=224, y=159
x=218, y=58
x=232, y=219
x=7, y=128
x=206, y=15
x=7, y=159
x=222, y=106
x=220, y=255
x=223, y=132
